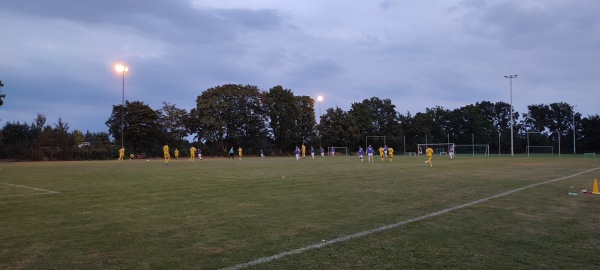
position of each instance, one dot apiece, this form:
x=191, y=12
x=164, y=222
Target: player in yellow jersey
x=381, y=153
x=303, y=151
x=166, y=153
x=121, y=154
x=176, y=153
x=240, y=152
x=192, y=153
x=390, y=154
x=429, y=153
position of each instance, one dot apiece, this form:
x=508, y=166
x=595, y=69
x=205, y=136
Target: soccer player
x=240, y=152
x=370, y=153
x=381, y=153
x=176, y=153
x=332, y=151
x=429, y=152
x=361, y=153
x=385, y=150
x=390, y=154
x=262, y=155
x=121, y=154
x=192, y=153
x=322, y=151
x=297, y=152
x=420, y=151
x=312, y=152
x=199, y=154
x=303, y=151
x=231, y=154
x=451, y=151
x=166, y=153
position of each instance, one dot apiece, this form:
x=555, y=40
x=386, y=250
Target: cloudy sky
x=57, y=57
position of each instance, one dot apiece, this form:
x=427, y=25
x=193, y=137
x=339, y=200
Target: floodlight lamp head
x=320, y=98
x=121, y=68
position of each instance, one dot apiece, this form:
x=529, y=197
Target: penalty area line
x=26, y=187
x=392, y=226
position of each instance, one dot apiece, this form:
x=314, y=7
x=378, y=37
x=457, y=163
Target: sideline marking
x=31, y=194
x=391, y=226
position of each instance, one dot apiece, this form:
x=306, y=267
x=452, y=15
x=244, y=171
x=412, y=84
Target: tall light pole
x=320, y=98
x=512, y=145
x=122, y=69
x=574, y=152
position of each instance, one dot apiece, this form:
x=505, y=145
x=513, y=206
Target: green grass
x=218, y=213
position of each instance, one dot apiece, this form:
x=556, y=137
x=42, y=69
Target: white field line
x=30, y=194
x=391, y=226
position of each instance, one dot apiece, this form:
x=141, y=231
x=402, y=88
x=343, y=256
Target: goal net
x=441, y=149
x=472, y=149
x=339, y=151
x=533, y=149
x=540, y=143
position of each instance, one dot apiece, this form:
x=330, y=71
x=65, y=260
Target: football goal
x=442, y=149
x=472, y=149
x=339, y=151
x=374, y=141
x=540, y=143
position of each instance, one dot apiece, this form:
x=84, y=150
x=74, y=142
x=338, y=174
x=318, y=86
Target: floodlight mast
x=320, y=98
x=574, y=152
x=512, y=145
x=122, y=69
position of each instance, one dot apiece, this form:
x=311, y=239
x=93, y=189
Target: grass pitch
x=219, y=213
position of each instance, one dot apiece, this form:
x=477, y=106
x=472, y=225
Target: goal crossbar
x=340, y=150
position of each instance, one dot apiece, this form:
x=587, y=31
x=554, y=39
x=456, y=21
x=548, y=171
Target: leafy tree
x=229, y=115
x=433, y=123
x=281, y=110
x=17, y=139
x=377, y=117
x=97, y=137
x=142, y=130
x=61, y=135
x=537, y=118
x=498, y=115
x=305, y=120
x=37, y=128
x=549, y=118
x=173, y=121
x=476, y=121
x=590, y=134
x=365, y=118
x=338, y=128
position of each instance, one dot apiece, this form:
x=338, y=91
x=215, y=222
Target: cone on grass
x=595, y=190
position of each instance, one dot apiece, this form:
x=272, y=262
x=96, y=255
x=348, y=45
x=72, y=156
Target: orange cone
x=595, y=190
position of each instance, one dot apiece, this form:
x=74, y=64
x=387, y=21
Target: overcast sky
x=57, y=57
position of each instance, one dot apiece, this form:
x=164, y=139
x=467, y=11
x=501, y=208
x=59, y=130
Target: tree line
x=277, y=120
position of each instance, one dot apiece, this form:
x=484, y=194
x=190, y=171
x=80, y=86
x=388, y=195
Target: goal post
x=541, y=143
x=442, y=149
x=339, y=151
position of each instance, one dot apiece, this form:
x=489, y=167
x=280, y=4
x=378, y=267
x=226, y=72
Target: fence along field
x=219, y=213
